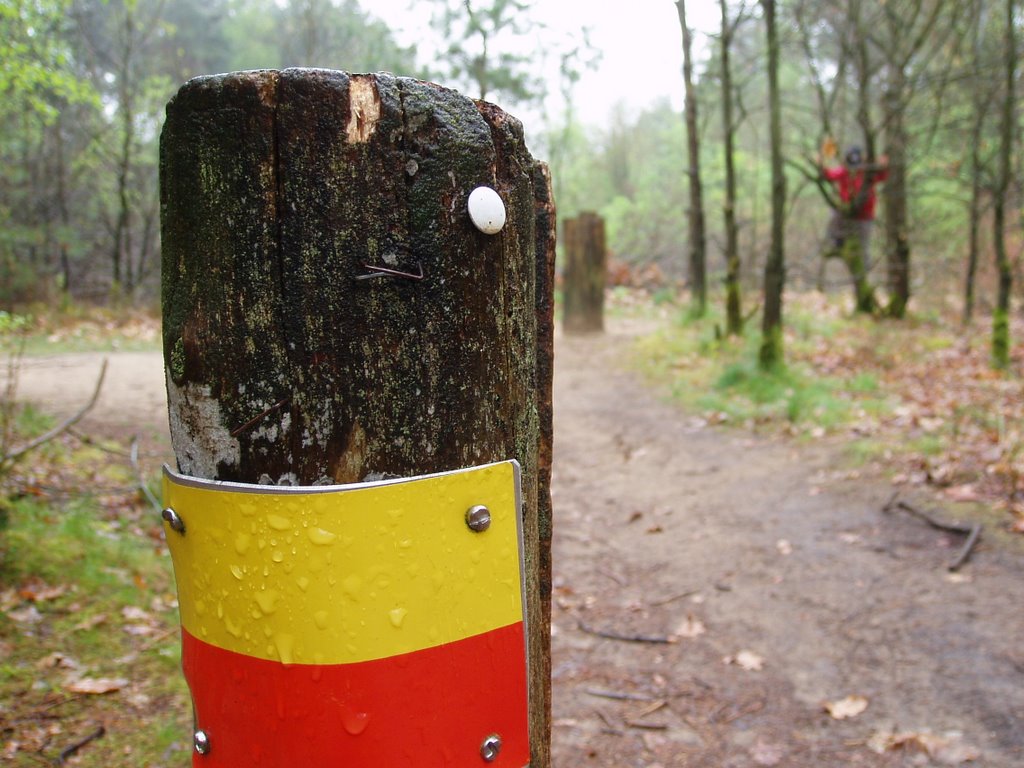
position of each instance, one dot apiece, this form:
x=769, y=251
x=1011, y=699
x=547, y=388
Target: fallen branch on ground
x=61, y=428
x=614, y=695
x=609, y=635
x=69, y=751
x=672, y=599
x=972, y=531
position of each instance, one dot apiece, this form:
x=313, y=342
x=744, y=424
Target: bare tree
x=775, y=266
x=1007, y=134
x=733, y=308
x=697, y=233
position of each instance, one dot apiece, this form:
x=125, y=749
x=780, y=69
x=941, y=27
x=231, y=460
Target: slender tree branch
x=64, y=426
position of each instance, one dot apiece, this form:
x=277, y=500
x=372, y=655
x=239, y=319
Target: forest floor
x=721, y=598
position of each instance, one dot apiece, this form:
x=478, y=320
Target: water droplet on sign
x=397, y=616
x=267, y=601
x=242, y=542
x=285, y=646
x=321, y=537
x=352, y=586
x=355, y=722
x=279, y=523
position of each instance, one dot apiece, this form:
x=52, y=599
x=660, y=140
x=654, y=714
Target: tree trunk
x=974, y=218
x=895, y=195
x=1001, y=314
x=330, y=312
x=771, y=352
x=733, y=310
x=586, y=265
x=697, y=234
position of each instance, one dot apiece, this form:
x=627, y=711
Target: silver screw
x=478, y=518
x=201, y=742
x=174, y=520
x=490, y=748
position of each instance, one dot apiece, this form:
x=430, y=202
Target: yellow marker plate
x=345, y=574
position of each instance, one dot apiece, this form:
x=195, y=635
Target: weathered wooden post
x=332, y=315
x=586, y=266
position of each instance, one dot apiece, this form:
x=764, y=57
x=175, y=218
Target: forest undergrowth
x=916, y=400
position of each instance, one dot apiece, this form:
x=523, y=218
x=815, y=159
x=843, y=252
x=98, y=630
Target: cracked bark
x=277, y=189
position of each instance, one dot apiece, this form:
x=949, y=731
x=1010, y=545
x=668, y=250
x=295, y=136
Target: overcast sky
x=640, y=41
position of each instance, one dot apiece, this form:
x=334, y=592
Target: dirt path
x=665, y=527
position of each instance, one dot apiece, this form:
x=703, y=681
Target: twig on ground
x=616, y=696
x=650, y=710
x=609, y=635
x=69, y=751
x=672, y=599
x=967, y=549
x=972, y=531
x=610, y=728
x=644, y=726
x=609, y=575
x=158, y=638
x=64, y=426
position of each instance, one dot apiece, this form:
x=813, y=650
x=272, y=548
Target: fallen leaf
x=134, y=613
x=56, y=660
x=747, y=660
x=635, y=516
x=140, y=630
x=962, y=493
x=948, y=749
x=851, y=706
x=27, y=615
x=38, y=591
x=97, y=685
x=655, y=529
x=689, y=628
x=765, y=753
x=91, y=623
x=9, y=599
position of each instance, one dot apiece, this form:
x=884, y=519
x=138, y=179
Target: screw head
x=478, y=518
x=486, y=210
x=490, y=748
x=201, y=742
x=174, y=520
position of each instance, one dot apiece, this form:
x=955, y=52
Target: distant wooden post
x=586, y=266
x=331, y=313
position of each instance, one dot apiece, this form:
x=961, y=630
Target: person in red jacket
x=855, y=182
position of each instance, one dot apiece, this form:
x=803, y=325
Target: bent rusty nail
x=256, y=419
x=376, y=271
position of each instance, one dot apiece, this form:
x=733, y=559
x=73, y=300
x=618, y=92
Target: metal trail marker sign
x=369, y=624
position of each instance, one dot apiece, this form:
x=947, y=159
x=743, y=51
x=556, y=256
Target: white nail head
x=486, y=210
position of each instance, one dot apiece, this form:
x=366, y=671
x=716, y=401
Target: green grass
x=94, y=585
x=707, y=373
